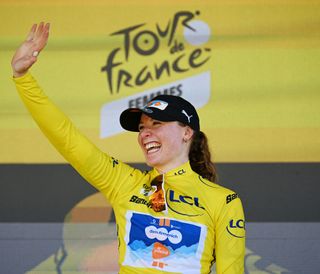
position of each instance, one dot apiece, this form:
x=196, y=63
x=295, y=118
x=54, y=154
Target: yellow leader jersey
x=202, y=223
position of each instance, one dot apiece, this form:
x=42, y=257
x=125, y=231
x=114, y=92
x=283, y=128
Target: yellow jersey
x=198, y=224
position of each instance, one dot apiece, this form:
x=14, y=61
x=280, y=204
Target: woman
x=173, y=219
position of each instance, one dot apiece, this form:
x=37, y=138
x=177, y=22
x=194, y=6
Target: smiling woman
x=165, y=145
x=172, y=219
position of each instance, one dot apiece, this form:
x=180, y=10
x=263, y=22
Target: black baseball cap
x=165, y=108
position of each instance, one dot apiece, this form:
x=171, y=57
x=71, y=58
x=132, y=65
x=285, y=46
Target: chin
x=152, y=162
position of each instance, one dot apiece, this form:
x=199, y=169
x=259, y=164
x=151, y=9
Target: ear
x=188, y=133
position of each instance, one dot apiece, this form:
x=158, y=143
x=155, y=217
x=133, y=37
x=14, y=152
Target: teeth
x=152, y=145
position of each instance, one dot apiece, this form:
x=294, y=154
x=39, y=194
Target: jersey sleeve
x=102, y=171
x=230, y=236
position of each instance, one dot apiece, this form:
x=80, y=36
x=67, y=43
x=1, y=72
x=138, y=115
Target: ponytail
x=200, y=157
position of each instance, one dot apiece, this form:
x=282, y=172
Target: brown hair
x=200, y=157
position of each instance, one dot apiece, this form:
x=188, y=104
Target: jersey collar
x=181, y=170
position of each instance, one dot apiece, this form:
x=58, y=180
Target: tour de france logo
x=145, y=41
x=171, y=57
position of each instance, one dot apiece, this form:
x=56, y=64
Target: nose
x=145, y=132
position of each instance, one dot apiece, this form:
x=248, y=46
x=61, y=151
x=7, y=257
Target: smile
x=152, y=147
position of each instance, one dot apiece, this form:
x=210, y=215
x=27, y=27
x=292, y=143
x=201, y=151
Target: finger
x=47, y=27
x=45, y=33
x=42, y=40
x=39, y=30
x=31, y=32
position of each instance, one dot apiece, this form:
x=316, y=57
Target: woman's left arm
x=230, y=237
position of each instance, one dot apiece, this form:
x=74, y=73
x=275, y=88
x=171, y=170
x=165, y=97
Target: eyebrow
x=151, y=120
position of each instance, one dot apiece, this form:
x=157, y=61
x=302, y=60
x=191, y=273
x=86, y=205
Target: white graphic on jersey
x=161, y=234
x=165, y=244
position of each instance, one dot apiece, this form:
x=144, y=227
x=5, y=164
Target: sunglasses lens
x=157, y=199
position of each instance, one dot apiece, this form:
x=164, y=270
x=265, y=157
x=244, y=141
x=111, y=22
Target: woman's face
x=165, y=144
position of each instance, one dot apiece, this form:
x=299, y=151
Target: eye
x=140, y=127
x=155, y=123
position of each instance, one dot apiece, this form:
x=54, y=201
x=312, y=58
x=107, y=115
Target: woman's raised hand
x=26, y=55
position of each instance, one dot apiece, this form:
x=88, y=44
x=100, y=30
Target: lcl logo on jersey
x=184, y=204
x=236, y=228
x=180, y=172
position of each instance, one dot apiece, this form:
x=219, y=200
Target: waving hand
x=26, y=55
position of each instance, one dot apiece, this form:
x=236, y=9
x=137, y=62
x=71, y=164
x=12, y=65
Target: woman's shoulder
x=215, y=188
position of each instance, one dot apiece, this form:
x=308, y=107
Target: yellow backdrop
x=261, y=58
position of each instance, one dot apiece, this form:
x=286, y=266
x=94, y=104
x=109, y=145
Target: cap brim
x=130, y=119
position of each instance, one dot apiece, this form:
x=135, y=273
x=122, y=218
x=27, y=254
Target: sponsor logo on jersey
x=180, y=172
x=135, y=199
x=184, y=204
x=161, y=234
x=231, y=197
x=236, y=228
x=163, y=243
